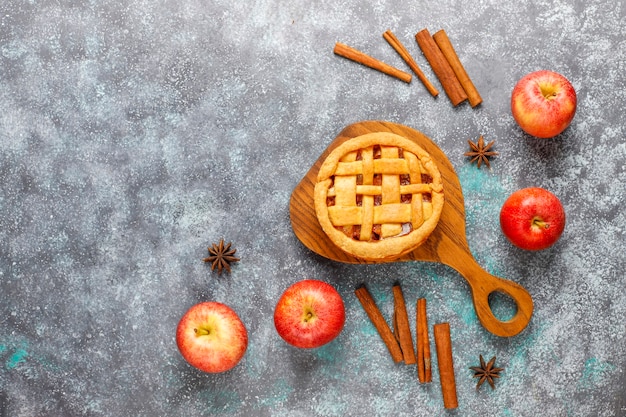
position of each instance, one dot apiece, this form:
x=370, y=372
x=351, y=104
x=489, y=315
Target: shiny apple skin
x=543, y=103
x=211, y=337
x=532, y=218
x=309, y=314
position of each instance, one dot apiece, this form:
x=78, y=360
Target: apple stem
x=201, y=332
x=548, y=92
x=540, y=223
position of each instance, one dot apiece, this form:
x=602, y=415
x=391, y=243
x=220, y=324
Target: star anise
x=221, y=256
x=486, y=372
x=480, y=152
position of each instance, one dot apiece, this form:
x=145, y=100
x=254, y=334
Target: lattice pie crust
x=378, y=196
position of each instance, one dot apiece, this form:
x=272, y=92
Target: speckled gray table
x=135, y=133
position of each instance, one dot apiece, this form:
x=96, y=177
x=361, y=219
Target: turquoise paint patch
x=472, y=179
x=379, y=294
x=278, y=394
x=502, y=306
x=518, y=360
x=328, y=352
x=480, y=181
x=484, y=193
x=596, y=371
x=367, y=328
x=18, y=356
x=330, y=409
x=424, y=271
x=331, y=403
x=2, y=348
x=432, y=275
x=220, y=401
x=466, y=312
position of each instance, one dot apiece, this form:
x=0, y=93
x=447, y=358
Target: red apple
x=309, y=314
x=532, y=218
x=543, y=103
x=211, y=337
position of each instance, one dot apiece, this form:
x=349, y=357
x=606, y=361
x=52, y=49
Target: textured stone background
x=135, y=133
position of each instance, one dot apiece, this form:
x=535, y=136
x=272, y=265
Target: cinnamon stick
x=377, y=319
x=424, y=369
x=404, y=54
x=443, y=345
x=402, y=324
x=441, y=67
x=394, y=322
x=364, y=59
x=445, y=46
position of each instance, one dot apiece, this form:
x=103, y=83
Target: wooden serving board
x=447, y=244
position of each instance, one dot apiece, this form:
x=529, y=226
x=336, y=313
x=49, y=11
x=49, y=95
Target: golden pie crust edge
x=388, y=248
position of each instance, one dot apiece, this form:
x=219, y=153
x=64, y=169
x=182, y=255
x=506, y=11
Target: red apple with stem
x=211, y=337
x=309, y=314
x=543, y=103
x=532, y=218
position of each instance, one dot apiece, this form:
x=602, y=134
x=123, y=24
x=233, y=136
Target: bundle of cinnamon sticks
x=399, y=341
x=440, y=54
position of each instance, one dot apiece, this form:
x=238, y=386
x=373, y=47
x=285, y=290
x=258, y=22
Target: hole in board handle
x=502, y=305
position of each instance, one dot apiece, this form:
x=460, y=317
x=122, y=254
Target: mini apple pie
x=378, y=196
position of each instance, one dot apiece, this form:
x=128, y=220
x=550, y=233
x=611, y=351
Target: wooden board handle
x=483, y=284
